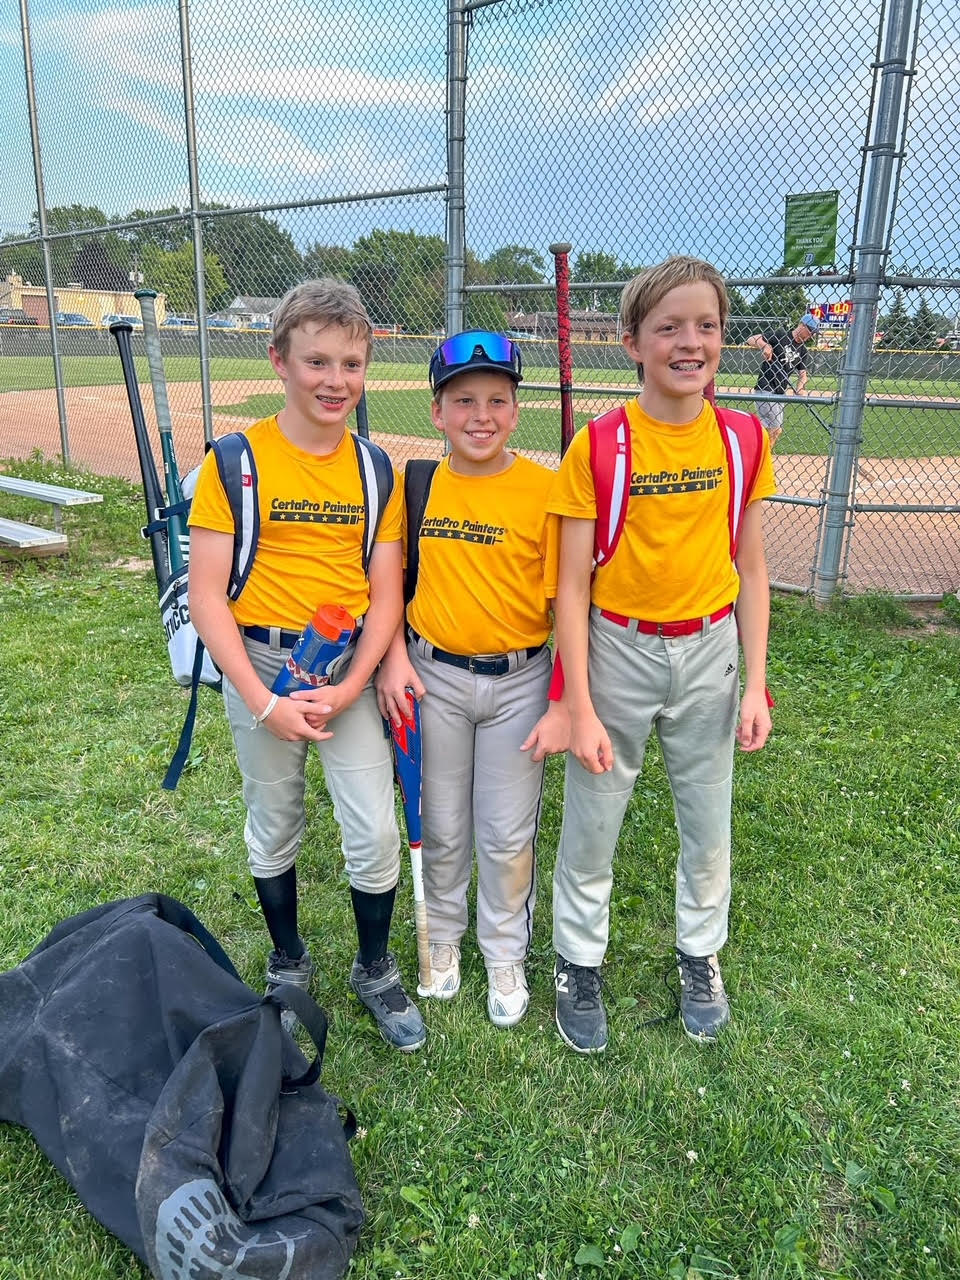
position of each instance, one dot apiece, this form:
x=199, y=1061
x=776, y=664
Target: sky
x=679, y=125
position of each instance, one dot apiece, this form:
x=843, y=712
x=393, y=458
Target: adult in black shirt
x=784, y=353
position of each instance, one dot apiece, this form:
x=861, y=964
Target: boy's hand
x=321, y=705
x=395, y=676
x=298, y=721
x=755, y=722
x=590, y=743
x=551, y=734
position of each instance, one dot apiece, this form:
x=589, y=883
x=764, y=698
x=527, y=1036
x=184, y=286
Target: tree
x=484, y=310
x=172, y=272
x=784, y=302
x=400, y=276
x=897, y=325
x=516, y=264
x=589, y=267
x=24, y=260
x=259, y=258
x=924, y=330
x=327, y=260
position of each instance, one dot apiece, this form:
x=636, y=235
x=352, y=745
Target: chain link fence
x=431, y=153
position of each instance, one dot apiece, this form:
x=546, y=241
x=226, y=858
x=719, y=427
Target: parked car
x=134, y=321
x=16, y=315
x=68, y=318
x=220, y=322
x=260, y=325
x=177, y=322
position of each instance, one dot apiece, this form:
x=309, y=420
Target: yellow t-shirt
x=673, y=559
x=484, y=542
x=310, y=550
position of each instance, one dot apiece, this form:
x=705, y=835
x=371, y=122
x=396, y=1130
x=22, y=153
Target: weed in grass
x=818, y=1139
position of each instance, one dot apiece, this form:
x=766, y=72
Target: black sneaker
x=581, y=1017
x=281, y=970
x=704, y=1009
x=379, y=987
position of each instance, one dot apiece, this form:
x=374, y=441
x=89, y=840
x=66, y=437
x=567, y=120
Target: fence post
x=872, y=250
x=457, y=27
x=190, y=123
x=42, y=224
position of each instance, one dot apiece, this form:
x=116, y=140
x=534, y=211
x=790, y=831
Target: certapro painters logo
x=301, y=511
x=462, y=530
x=199, y=1237
x=690, y=480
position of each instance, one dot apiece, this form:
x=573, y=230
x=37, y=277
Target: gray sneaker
x=704, y=1009
x=581, y=1017
x=380, y=989
x=281, y=970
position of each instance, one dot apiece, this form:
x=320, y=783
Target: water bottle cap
x=331, y=620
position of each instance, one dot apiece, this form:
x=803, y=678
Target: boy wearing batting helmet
x=313, y=503
x=475, y=652
x=649, y=642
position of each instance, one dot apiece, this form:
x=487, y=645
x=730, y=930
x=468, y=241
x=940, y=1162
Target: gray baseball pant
x=358, y=771
x=687, y=689
x=478, y=786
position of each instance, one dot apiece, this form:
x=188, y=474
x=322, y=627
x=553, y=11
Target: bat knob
x=562, y=247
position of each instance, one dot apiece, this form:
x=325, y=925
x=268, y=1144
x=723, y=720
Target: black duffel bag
x=168, y=1095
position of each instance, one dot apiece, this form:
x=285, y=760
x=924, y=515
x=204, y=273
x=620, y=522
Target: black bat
x=155, y=531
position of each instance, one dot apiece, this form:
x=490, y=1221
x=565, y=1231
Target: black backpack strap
x=377, y=477
x=313, y=1018
x=238, y=475
x=176, y=765
x=175, y=913
x=417, y=478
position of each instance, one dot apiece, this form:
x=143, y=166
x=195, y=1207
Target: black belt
x=481, y=664
x=287, y=638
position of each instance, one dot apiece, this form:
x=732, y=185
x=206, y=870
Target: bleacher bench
x=22, y=536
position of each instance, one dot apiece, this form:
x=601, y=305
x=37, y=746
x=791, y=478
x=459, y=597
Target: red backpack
x=611, y=464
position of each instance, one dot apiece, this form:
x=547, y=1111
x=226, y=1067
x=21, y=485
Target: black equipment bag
x=168, y=1095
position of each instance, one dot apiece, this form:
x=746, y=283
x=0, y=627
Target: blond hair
x=323, y=302
x=643, y=292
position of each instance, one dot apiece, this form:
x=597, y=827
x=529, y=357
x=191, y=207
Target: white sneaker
x=507, y=994
x=444, y=972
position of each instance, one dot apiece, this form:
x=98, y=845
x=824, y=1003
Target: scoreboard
x=833, y=315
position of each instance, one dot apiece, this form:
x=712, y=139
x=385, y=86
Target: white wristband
x=274, y=699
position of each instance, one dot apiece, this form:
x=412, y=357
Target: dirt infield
x=917, y=553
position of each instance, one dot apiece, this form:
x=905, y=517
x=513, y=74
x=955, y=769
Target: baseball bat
x=178, y=537
x=363, y=418
x=408, y=761
x=561, y=267
x=155, y=530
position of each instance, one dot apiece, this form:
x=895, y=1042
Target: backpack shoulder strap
x=417, y=478
x=238, y=475
x=742, y=435
x=377, y=478
x=610, y=466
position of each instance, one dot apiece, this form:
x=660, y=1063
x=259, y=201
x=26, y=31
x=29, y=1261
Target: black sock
x=372, y=912
x=278, y=898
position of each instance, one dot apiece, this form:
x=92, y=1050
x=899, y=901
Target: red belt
x=669, y=630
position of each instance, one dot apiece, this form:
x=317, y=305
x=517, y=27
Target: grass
x=818, y=1139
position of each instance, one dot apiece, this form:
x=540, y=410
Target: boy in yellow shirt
x=310, y=551
x=476, y=654
x=649, y=642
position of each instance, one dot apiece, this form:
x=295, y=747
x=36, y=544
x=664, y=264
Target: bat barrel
x=561, y=261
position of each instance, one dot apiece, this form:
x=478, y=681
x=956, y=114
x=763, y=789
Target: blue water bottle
x=322, y=641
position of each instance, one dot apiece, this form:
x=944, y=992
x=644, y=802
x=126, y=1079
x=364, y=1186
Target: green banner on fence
x=810, y=230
